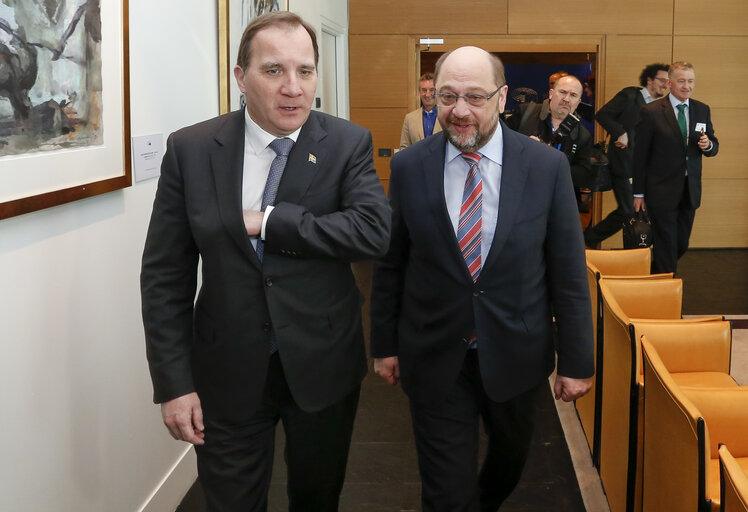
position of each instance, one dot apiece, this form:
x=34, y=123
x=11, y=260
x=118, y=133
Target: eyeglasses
x=447, y=99
x=661, y=80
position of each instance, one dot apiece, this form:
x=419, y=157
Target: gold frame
x=57, y=197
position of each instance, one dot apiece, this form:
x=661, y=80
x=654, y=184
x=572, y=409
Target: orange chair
x=682, y=429
x=620, y=391
x=629, y=262
x=733, y=482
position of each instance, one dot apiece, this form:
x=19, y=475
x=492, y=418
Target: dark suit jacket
x=620, y=115
x=535, y=119
x=327, y=214
x=661, y=158
x=424, y=302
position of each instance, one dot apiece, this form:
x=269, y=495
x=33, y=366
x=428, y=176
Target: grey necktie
x=282, y=148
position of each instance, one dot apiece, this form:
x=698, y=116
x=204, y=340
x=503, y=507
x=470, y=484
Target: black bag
x=600, y=179
x=637, y=231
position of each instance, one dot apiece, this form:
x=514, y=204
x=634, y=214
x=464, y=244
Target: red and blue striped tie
x=469, y=229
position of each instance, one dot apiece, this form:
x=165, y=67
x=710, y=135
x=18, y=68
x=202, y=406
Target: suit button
x=477, y=293
x=266, y=327
x=268, y=282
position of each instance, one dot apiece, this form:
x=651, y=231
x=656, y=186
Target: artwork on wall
x=64, y=102
x=233, y=17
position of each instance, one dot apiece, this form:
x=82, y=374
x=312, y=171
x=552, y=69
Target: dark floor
x=382, y=471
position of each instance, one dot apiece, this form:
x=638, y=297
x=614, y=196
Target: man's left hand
x=568, y=389
x=704, y=142
x=253, y=222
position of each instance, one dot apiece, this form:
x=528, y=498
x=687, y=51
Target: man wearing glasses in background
x=619, y=118
x=486, y=248
x=423, y=121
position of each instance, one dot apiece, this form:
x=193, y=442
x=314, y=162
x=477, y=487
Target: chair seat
x=714, y=491
x=704, y=379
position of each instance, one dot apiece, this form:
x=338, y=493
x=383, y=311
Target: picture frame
x=39, y=179
x=233, y=17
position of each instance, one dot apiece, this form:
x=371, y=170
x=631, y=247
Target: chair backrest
x=675, y=442
x=620, y=262
x=733, y=483
x=687, y=345
x=647, y=298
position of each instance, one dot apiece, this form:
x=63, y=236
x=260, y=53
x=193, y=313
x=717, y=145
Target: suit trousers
x=235, y=463
x=610, y=225
x=671, y=231
x=446, y=435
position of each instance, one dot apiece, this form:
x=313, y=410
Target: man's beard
x=469, y=144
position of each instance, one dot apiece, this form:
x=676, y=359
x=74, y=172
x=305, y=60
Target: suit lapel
x=513, y=177
x=307, y=155
x=227, y=164
x=432, y=169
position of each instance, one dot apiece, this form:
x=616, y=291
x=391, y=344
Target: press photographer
x=554, y=122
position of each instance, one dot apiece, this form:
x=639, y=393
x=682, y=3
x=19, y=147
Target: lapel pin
x=312, y=158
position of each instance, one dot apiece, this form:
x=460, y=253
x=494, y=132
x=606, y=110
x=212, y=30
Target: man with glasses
x=423, y=121
x=486, y=248
x=619, y=118
x=672, y=135
x=544, y=123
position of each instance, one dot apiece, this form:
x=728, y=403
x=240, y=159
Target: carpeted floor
x=382, y=470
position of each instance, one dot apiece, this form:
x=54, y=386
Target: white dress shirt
x=257, y=159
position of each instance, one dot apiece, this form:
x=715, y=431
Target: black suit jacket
x=328, y=213
x=661, y=158
x=620, y=115
x=424, y=302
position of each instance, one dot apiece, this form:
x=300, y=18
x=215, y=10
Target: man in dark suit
x=275, y=332
x=486, y=249
x=672, y=135
x=619, y=117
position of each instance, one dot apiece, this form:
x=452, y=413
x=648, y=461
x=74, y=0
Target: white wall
x=78, y=430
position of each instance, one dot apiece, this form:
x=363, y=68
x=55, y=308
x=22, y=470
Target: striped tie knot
x=469, y=234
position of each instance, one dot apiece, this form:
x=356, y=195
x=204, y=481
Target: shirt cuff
x=268, y=209
x=635, y=195
x=711, y=146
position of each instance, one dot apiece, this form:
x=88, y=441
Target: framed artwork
x=64, y=102
x=233, y=17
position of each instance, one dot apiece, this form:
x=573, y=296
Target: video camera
x=564, y=129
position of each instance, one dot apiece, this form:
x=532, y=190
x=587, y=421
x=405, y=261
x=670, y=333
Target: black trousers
x=671, y=231
x=236, y=462
x=609, y=226
x=446, y=436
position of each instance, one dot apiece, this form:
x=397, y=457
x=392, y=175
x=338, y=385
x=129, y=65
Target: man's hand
x=639, y=204
x=389, y=369
x=622, y=141
x=253, y=222
x=183, y=416
x=535, y=137
x=569, y=389
x=704, y=142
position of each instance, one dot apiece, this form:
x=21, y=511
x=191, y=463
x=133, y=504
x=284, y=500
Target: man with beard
x=486, y=248
x=422, y=122
x=619, y=118
x=541, y=122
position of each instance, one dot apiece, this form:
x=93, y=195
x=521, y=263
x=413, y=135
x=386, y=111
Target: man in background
x=275, y=201
x=619, y=118
x=423, y=121
x=486, y=249
x=672, y=135
x=543, y=122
